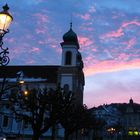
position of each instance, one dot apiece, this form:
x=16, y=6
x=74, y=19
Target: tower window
x=68, y=58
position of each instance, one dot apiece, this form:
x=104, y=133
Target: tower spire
x=71, y=25
x=71, y=22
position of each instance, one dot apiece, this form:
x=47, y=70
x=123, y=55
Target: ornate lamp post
x=5, y=21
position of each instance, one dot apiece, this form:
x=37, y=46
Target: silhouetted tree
x=44, y=109
x=72, y=116
x=79, y=121
x=98, y=127
x=36, y=108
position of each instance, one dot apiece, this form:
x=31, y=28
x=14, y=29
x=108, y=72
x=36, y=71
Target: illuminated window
x=130, y=133
x=136, y=133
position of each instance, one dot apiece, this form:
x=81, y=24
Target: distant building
x=122, y=121
x=69, y=73
x=131, y=118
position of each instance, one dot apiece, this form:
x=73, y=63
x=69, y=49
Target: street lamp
x=5, y=21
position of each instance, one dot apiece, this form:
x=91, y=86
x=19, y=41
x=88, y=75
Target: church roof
x=48, y=72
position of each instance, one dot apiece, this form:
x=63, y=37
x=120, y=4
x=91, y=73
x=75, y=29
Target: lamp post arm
x=4, y=59
x=1, y=39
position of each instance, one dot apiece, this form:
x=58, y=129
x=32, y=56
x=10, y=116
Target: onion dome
x=70, y=36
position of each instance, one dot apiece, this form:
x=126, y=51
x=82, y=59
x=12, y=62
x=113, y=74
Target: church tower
x=71, y=71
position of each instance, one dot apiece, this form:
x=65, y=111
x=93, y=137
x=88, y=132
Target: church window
x=68, y=58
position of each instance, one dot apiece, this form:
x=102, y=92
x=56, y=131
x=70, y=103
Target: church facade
x=69, y=75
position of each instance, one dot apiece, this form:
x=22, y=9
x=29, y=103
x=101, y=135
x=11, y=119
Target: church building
x=69, y=74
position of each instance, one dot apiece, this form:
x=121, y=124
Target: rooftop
x=48, y=72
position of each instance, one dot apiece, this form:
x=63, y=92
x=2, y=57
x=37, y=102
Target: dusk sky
x=109, y=36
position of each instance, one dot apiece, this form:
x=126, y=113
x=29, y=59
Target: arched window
x=68, y=58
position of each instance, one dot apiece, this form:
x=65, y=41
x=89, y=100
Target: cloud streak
x=111, y=66
x=120, y=32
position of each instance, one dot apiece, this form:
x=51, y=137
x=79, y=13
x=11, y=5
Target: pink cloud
x=125, y=24
x=119, y=32
x=85, y=16
x=92, y=9
x=35, y=49
x=89, y=60
x=123, y=56
x=84, y=41
x=30, y=62
x=40, y=31
x=130, y=43
x=87, y=26
x=56, y=48
x=94, y=49
x=41, y=18
x=10, y=40
x=109, y=66
x=41, y=42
